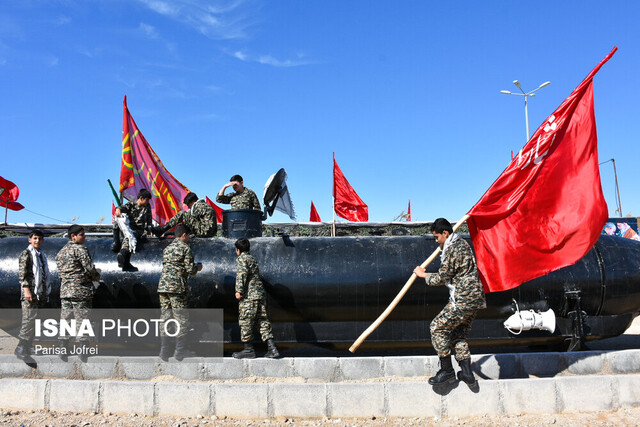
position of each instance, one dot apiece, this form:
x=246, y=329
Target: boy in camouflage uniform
x=450, y=328
x=252, y=303
x=33, y=272
x=177, y=265
x=243, y=198
x=139, y=214
x=77, y=274
x=200, y=218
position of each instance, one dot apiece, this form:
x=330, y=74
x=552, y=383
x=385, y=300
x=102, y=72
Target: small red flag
x=409, y=212
x=346, y=201
x=215, y=208
x=9, y=193
x=313, y=216
x=142, y=168
x=546, y=210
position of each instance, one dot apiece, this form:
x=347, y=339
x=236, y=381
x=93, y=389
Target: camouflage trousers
x=29, y=315
x=75, y=309
x=449, y=330
x=174, y=306
x=250, y=313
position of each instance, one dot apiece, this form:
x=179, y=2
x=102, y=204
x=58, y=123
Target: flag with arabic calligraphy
x=142, y=168
x=546, y=210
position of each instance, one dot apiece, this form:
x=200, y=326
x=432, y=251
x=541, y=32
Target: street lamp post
x=526, y=96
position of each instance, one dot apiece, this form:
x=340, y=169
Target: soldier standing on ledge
x=252, y=303
x=243, y=198
x=200, y=218
x=450, y=328
x=77, y=274
x=177, y=265
x=34, y=275
x=139, y=214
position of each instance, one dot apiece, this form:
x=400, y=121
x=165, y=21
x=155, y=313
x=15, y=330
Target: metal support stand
x=577, y=316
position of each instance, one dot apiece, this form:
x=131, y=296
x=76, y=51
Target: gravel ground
x=622, y=417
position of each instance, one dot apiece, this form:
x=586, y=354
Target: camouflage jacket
x=177, y=265
x=459, y=269
x=245, y=200
x=139, y=216
x=202, y=219
x=76, y=271
x=25, y=273
x=248, y=282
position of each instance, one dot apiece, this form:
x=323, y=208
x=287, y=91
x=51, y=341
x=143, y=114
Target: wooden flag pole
x=401, y=294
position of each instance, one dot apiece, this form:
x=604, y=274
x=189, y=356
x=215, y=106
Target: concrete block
x=18, y=393
x=14, y=367
x=54, y=367
x=583, y=363
x=228, y=369
x=495, y=366
x=298, y=400
x=99, y=368
x=528, y=396
x=410, y=366
x=321, y=368
x=581, y=394
x=139, y=368
x=628, y=387
x=462, y=402
x=270, y=368
x=624, y=362
x=240, y=400
x=539, y=364
x=356, y=399
x=74, y=395
x=413, y=399
x=127, y=397
x=361, y=368
x=183, y=399
x=183, y=371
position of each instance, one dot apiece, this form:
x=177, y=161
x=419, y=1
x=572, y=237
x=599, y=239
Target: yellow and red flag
x=141, y=168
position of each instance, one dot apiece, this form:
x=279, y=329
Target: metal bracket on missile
x=577, y=316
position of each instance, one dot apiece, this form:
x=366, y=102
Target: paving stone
x=356, y=399
x=409, y=366
x=413, y=399
x=74, y=395
x=585, y=393
x=128, y=397
x=321, y=368
x=360, y=368
x=228, y=369
x=239, y=400
x=18, y=393
x=270, y=368
x=529, y=396
x=183, y=399
x=299, y=400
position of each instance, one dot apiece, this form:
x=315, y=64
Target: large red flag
x=546, y=210
x=141, y=168
x=409, y=211
x=215, y=208
x=346, y=202
x=9, y=193
x=313, y=215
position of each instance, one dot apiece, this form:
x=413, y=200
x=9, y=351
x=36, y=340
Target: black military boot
x=446, y=374
x=466, y=374
x=273, y=351
x=64, y=350
x=21, y=351
x=158, y=231
x=116, y=245
x=122, y=258
x=247, y=353
x=181, y=348
x=165, y=348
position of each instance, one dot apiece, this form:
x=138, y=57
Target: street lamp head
x=544, y=84
x=506, y=92
x=517, y=83
x=531, y=94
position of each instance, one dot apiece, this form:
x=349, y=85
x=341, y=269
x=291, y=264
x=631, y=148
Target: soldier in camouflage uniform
x=177, y=265
x=450, y=328
x=252, y=303
x=139, y=214
x=77, y=274
x=200, y=218
x=243, y=198
x=34, y=276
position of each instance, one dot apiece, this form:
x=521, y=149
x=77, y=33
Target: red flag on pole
x=215, y=208
x=409, y=211
x=546, y=210
x=9, y=193
x=313, y=216
x=142, y=168
x=346, y=202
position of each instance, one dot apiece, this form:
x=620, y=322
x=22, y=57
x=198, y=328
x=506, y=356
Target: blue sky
x=406, y=93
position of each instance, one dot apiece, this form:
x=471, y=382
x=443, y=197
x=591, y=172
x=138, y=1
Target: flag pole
x=400, y=295
x=333, y=196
